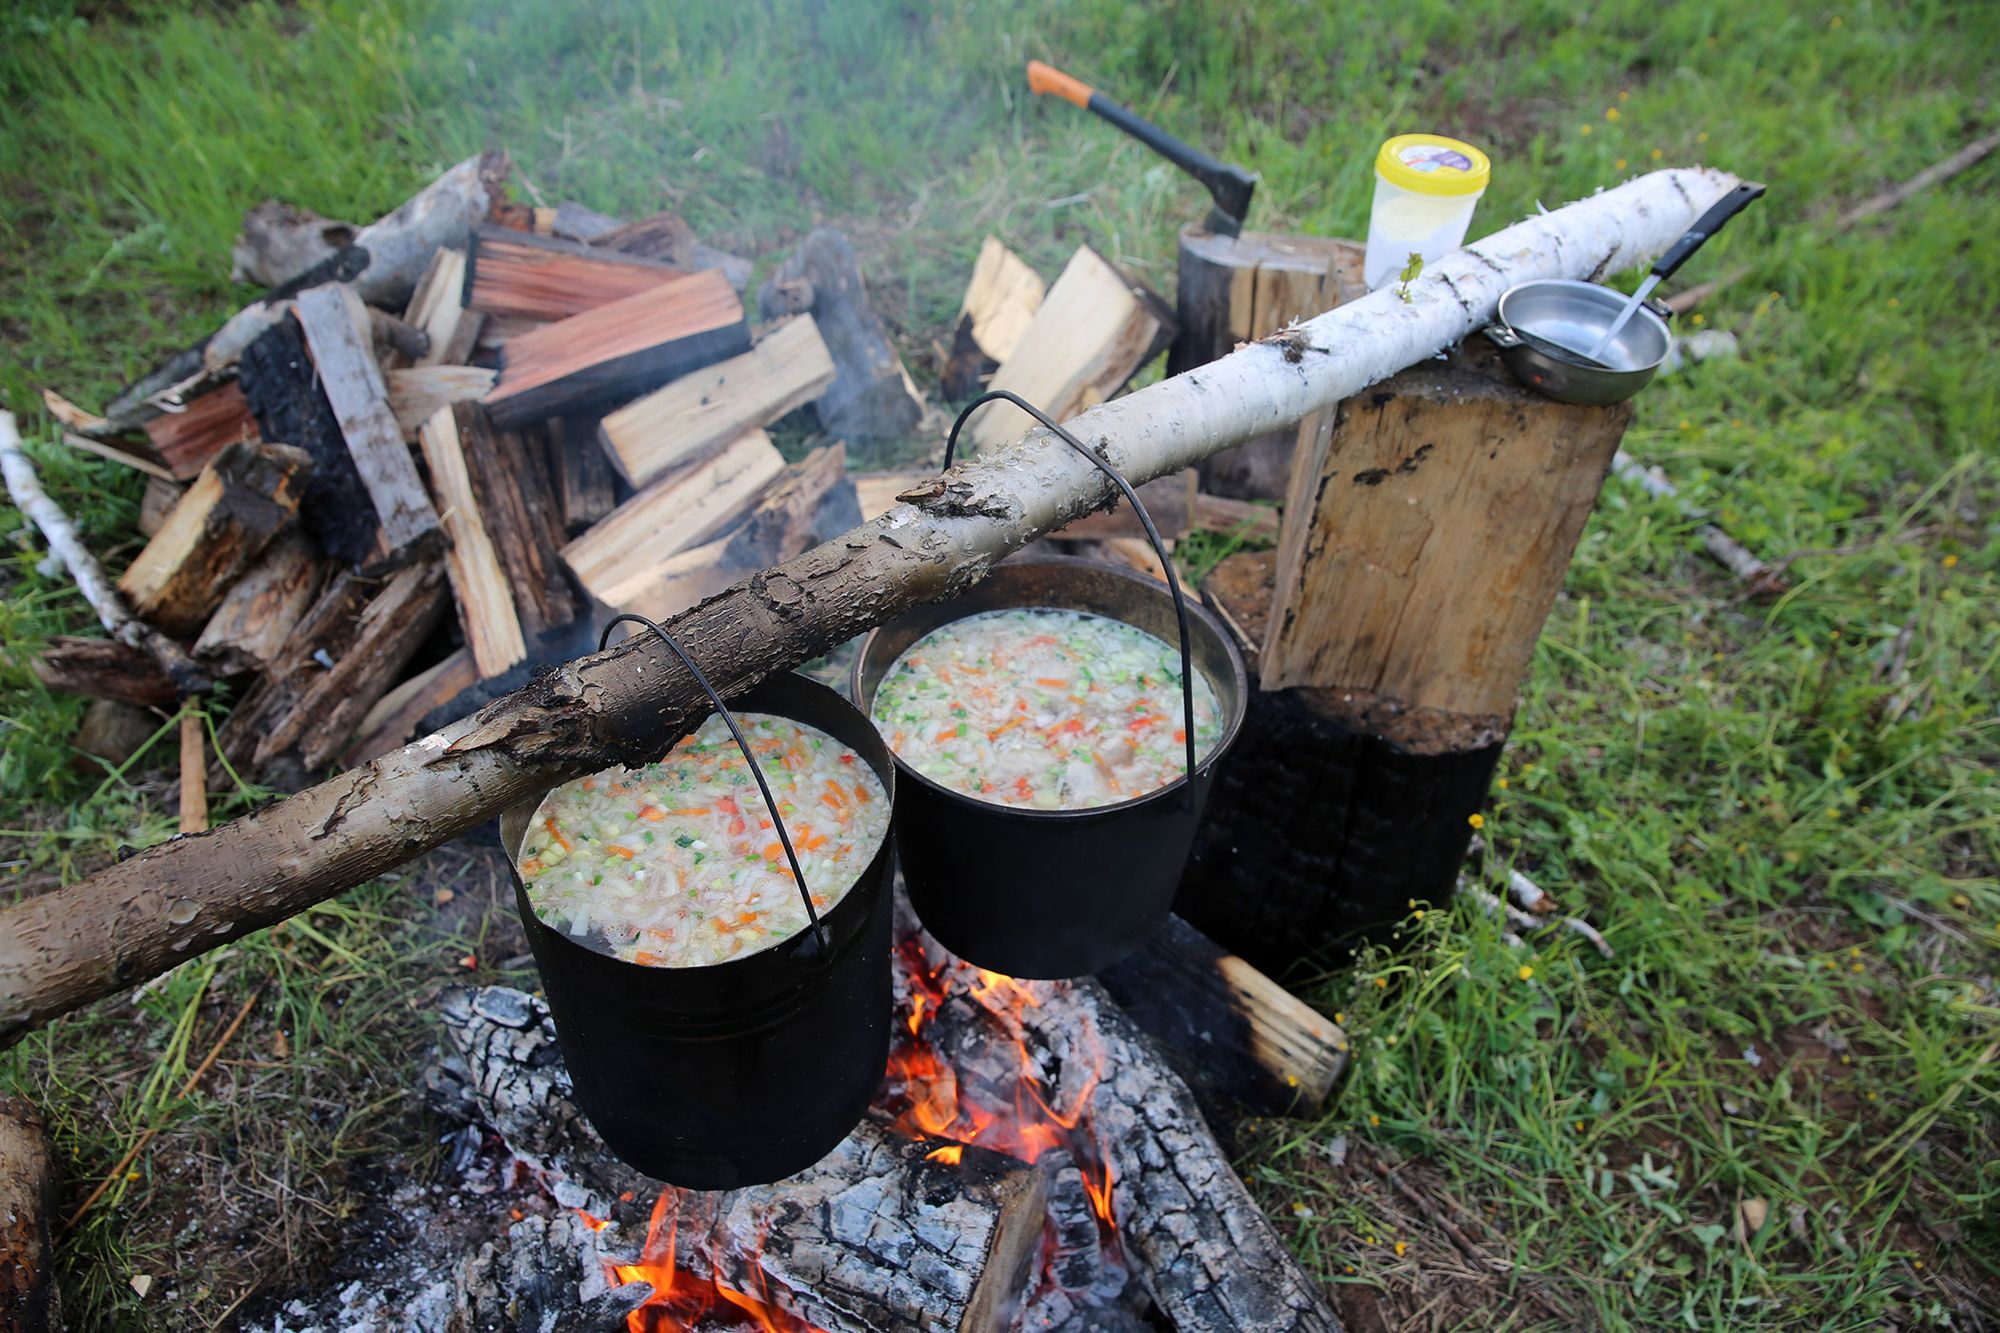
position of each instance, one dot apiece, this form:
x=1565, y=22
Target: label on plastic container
x=1433, y=157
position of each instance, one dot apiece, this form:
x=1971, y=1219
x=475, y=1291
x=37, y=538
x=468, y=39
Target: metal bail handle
x=1145, y=520
x=756, y=770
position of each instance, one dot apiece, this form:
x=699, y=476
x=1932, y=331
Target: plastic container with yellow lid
x=1426, y=187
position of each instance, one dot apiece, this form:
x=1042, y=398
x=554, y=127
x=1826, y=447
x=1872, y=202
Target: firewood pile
x=445, y=447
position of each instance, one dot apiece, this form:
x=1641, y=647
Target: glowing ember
x=683, y=1302
x=951, y=1154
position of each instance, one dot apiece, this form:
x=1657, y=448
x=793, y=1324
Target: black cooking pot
x=1052, y=893
x=744, y=1072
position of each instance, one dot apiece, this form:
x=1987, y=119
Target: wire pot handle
x=756, y=770
x=1145, y=520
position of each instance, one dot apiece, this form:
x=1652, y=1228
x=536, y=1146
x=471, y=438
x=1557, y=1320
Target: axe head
x=1231, y=187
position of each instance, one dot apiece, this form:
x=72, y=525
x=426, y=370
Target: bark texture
x=58, y=952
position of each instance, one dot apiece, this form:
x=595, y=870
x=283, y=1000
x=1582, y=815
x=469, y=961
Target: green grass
x=1740, y=794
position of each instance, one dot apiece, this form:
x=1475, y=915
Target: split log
x=871, y=398
x=254, y=622
x=24, y=487
x=437, y=307
x=622, y=348
x=620, y=556
x=1094, y=329
x=28, y=1297
x=283, y=391
x=1228, y=1029
x=416, y=393
x=104, y=669
x=875, y=1236
x=813, y=502
x=231, y=512
x=629, y=704
x=1235, y=289
x=187, y=439
x=516, y=501
x=496, y=332
x=336, y=329
x=155, y=503
x=538, y=277
x=396, y=716
x=485, y=601
x=343, y=656
x=1000, y=302
x=584, y=489
x=699, y=413
x=285, y=241
x=664, y=236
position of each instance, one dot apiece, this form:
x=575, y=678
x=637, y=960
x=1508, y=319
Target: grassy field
x=1774, y=1108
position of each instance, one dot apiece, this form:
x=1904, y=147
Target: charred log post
x=876, y=1236
x=128, y=922
x=1434, y=525
x=28, y=1302
x=283, y=390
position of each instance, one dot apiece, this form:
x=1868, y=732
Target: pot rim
x=1238, y=705
x=837, y=918
x=1596, y=294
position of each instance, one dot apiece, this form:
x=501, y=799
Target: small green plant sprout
x=1411, y=271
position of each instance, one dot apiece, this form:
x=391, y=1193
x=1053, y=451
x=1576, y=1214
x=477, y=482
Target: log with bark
x=585, y=490
x=666, y=237
x=254, y=622
x=58, y=951
x=871, y=398
x=28, y=1297
x=24, y=487
x=511, y=486
x=189, y=438
x=104, y=669
x=336, y=329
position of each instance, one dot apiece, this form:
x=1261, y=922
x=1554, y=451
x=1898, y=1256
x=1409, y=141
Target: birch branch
x=148, y=913
x=25, y=489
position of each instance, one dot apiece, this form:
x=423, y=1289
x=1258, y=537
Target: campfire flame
x=1011, y=1114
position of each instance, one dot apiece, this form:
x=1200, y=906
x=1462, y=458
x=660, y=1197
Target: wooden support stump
x=1431, y=529
x=1235, y=289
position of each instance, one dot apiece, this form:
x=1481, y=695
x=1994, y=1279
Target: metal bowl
x=1539, y=322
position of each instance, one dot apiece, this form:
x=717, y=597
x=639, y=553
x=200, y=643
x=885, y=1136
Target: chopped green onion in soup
x=678, y=863
x=1044, y=709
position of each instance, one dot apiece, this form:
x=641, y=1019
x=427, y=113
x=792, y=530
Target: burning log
x=235, y=507
x=1093, y=330
x=336, y=329
x=884, y=1233
x=699, y=413
x=537, y=277
x=59, y=951
x=1000, y=301
x=619, y=349
x=871, y=398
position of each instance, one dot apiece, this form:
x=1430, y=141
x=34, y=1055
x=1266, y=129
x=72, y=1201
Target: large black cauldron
x=743, y=1072
x=1052, y=893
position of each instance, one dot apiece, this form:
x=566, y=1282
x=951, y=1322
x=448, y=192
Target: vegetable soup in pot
x=678, y=863
x=1043, y=709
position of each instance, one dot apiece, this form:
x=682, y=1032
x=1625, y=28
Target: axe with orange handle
x=1230, y=187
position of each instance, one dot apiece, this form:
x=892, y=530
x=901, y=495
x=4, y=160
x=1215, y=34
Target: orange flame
x=950, y=1155
x=680, y=1297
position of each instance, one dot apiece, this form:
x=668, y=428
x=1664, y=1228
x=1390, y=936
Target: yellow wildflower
x=1374, y=1122
x=1835, y=22
x=1381, y=983
x=1525, y=972
x=1657, y=154
x=1702, y=137
x=1476, y=819
x=1949, y=562
x=1403, y=1245
x=1700, y=318
x=1619, y=165
x=1611, y=113
x=1418, y=914
x=1622, y=96
x=1502, y=784
x=1586, y=129
x=1854, y=952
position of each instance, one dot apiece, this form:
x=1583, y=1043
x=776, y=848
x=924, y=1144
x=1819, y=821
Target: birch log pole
x=136, y=919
